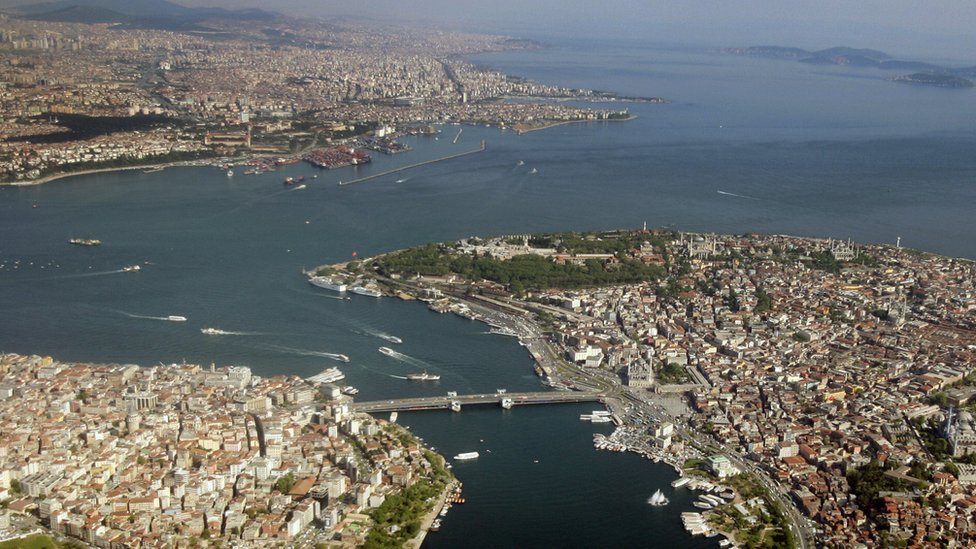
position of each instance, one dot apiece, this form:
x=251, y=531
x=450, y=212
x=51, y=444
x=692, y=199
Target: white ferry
x=176, y=318
x=467, y=455
x=680, y=482
x=387, y=351
x=362, y=290
x=327, y=283
x=329, y=375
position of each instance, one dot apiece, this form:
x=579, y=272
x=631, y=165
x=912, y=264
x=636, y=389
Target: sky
x=932, y=29
x=911, y=28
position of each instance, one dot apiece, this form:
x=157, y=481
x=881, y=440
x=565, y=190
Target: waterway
x=746, y=145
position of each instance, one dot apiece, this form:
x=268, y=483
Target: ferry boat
x=343, y=358
x=327, y=283
x=702, y=505
x=212, y=331
x=467, y=455
x=131, y=269
x=361, y=290
x=85, y=241
x=176, y=318
x=329, y=375
x=391, y=338
x=680, y=482
x=423, y=376
x=658, y=499
x=387, y=351
x=600, y=419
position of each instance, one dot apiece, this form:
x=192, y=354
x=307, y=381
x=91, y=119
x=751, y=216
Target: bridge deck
x=444, y=402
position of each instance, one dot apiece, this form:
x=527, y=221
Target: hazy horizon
x=937, y=30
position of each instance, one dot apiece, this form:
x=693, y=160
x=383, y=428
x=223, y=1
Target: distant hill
x=146, y=14
x=924, y=73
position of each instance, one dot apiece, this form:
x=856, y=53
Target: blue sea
x=743, y=145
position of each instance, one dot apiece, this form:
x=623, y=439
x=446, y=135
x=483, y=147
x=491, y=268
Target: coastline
x=154, y=167
x=547, y=126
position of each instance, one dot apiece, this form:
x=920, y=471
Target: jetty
x=411, y=166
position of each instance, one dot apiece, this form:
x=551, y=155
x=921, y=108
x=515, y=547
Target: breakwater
x=417, y=165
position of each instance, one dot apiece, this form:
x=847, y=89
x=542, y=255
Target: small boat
x=521, y=163
x=300, y=187
x=702, y=505
x=230, y=173
x=387, y=351
x=455, y=406
x=658, y=499
x=212, y=331
x=85, y=242
x=176, y=318
x=391, y=338
x=423, y=376
x=467, y=455
x=533, y=170
x=131, y=269
x=349, y=390
x=393, y=417
x=507, y=403
x=343, y=358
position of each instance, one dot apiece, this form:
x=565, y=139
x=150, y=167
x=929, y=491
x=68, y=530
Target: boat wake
x=305, y=352
x=397, y=377
x=404, y=180
x=372, y=332
x=86, y=275
x=408, y=359
x=146, y=317
x=738, y=195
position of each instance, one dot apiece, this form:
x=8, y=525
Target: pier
x=411, y=166
x=445, y=402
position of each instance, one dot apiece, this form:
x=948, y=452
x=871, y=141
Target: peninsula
x=838, y=377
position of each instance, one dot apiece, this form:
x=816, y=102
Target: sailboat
x=658, y=499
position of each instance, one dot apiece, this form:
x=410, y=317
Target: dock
x=411, y=166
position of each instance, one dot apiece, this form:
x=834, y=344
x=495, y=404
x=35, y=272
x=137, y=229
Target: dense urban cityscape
x=87, y=96
x=810, y=392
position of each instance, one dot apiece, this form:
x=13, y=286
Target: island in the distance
x=925, y=73
x=828, y=385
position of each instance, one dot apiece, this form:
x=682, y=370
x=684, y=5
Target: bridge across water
x=446, y=402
